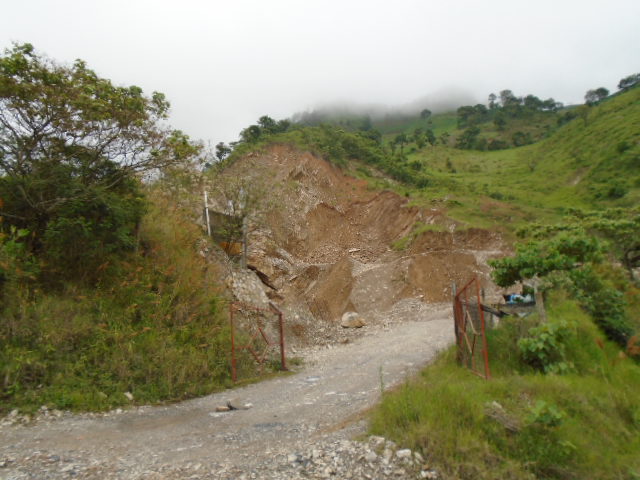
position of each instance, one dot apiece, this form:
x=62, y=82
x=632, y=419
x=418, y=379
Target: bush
x=544, y=347
x=604, y=303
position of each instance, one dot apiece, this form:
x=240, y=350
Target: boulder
x=352, y=320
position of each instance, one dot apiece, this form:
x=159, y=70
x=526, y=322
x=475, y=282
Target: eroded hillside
x=326, y=245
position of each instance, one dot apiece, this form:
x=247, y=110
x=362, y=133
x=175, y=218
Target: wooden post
x=244, y=243
x=540, y=304
x=206, y=213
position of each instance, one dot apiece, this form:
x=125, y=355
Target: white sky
x=222, y=64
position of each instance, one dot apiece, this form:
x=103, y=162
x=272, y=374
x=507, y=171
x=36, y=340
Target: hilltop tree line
x=503, y=109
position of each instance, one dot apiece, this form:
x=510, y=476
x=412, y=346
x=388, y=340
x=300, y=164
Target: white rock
x=404, y=453
x=129, y=396
x=370, y=456
x=352, y=320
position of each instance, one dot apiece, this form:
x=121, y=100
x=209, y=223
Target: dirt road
x=191, y=440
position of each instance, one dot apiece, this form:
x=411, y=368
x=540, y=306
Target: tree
x=592, y=97
x=533, y=103
x=500, y=120
x=418, y=137
x=629, y=82
x=222, y=151
x=466, y=116
x=618, y=227
x=550, y=105
x=567, y=254
x=507, y=99
x=401, y=139
x=425, y=114
x=71, y=144
x=468, y=138
x=251, y=134
x=267, y=124
x=492, y=101
x=430, y=136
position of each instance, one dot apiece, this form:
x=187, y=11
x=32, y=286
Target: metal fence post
x=234, y=375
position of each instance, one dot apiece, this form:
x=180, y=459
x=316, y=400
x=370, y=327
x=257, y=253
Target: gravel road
x=299, y=426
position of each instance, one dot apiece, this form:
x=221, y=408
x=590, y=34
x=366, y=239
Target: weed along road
x=287, y=415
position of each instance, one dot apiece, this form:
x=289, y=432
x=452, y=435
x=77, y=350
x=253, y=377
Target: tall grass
x=155, y=326
x=523, y=424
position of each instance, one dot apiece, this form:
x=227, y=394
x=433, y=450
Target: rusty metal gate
x=257, y=334
x=469, y=327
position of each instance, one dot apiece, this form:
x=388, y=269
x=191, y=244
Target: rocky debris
x=246, y=287
x=352, y=320
x=376, y=458
x=238, y=404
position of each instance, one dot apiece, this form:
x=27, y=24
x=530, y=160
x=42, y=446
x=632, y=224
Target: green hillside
x=591, y=162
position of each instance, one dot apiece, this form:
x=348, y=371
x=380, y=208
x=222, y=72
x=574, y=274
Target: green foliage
x=629, y=82
x=468, y=139
x=545, y=415
x=544, y=347
x=266, y=127
x=604, y=302
x=155, y=326
x=593, y=97
x=339, y=146
x=71, y=144
x=567, y=255
x=522, y=424
x=538, y=258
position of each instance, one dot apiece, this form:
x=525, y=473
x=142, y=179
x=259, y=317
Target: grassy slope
x=580, y=425
x=154, y=326
x=580, y=165
x=585, y=424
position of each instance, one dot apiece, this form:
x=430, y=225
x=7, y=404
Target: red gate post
x=485, y=353
x=283, y=356
x=233, y=345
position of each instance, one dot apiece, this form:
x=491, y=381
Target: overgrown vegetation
x=562, y=404
x=103, y=289
x=154, y=326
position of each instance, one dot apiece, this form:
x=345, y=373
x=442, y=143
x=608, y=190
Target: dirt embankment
x=326, y=244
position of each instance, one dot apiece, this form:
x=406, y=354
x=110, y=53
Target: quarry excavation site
x=324, y=245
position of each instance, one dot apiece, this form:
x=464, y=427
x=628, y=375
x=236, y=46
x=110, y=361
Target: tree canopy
x=71, y=147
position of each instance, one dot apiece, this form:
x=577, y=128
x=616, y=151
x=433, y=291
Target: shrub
x=544, y=347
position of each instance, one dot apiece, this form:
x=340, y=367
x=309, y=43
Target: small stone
x=238, y=404
x=429, y=474
x=404, y=453
x=376, y=441
x=370, y=456
x=222, y=408
x=352, y=320
x=387, y=454
x=129, y=396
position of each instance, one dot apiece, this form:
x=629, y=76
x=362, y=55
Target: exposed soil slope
x=326, y=245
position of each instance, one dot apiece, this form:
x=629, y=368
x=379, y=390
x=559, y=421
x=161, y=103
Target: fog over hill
x=443, y=100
